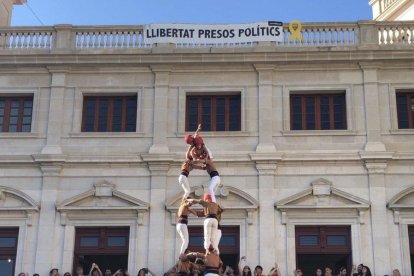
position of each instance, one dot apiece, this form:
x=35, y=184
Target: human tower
x=199, y=157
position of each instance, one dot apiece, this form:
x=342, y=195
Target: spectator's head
x=143, y=271
x=229, y=270
x=108, y=272
x=359, y=268
x=319, y=272
x=67, y=274
x=366, y=271
x=54, y=272
x=36, y=274
x=23, y=274
x=246, y=271
x=79, y=270
x=95, y=272
x=342, y=271
x=258, y=270
x=328, y=271
x=396, y=272
x=298, y=272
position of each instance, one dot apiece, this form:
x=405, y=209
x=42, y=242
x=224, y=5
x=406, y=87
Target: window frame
x=102, y=233
x=111, y=97
x=323, y=231
x=213, y=110
x=411, y=238
x=10, y=252
x=410, y=113
x=22, y=97
x=317, y=94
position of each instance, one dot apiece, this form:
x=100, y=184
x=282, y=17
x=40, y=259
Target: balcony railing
x=83, y=38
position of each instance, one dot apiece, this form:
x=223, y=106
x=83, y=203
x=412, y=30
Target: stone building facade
x=320, y=163
x=392, y=10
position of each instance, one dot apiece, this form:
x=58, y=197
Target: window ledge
x=402, y=131
x=23, y=135
x=106, y=135
x=217, y=134
x=319, y=133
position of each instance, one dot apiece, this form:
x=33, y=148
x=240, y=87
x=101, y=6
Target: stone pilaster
x=266, y=166
x=158, y=166
x=161, y=87
x=55, y=117
x=372, y=106
x=265, y=86
x=46, y=258
x=376, y=165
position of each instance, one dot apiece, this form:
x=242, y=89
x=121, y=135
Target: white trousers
x=212, y=186
x=210, y=231
x=183, y=180
x=183, y=232
x=217, y=240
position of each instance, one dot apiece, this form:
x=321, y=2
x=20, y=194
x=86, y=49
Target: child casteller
x=199, y=157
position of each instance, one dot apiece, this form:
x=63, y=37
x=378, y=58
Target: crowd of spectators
x=198, y=270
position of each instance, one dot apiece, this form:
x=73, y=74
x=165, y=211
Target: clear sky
x=137, y=12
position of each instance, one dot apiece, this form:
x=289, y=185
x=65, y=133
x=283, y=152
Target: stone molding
x=401, y=209
x=319, y=197
x=102, y=190
x=25, y=204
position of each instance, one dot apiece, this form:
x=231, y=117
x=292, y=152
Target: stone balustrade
x=27, y=38
x=108, y=37
x=396, y=33
x=321, y=34
x=324, y=34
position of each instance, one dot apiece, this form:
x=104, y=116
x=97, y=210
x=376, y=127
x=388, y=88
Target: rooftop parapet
x=321, y=34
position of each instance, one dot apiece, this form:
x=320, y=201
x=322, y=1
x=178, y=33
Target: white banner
x=213, y=34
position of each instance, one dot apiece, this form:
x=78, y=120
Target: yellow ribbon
x=294, y=28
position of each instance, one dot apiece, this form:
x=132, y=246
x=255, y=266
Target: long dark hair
x=246, y=274
x=368, y=270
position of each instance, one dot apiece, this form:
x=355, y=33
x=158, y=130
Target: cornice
x=163, y=62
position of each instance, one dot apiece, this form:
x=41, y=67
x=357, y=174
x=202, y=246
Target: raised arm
x=98, y=269
x=240, y=264
x=92, y=267
x=197, y=131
